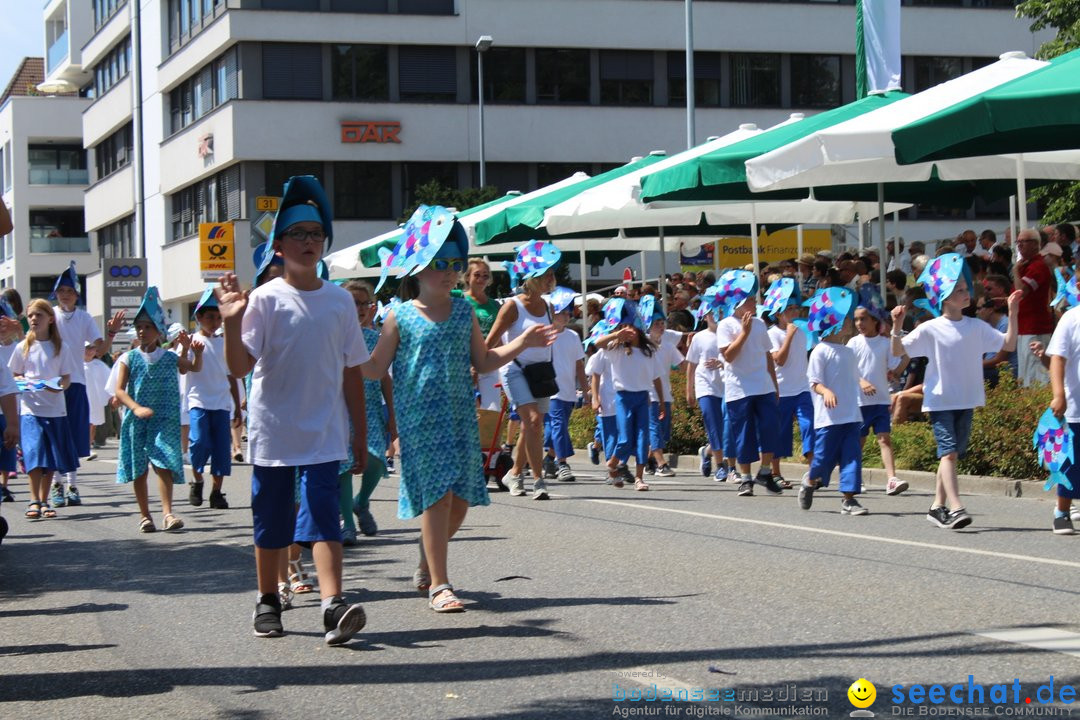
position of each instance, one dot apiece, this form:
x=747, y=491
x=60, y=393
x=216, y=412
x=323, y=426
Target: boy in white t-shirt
x=954, y=346
x=569, y=359
x=300, y=336
x=1064, y=353
x=834, y=377
x=705, y=384
x=749, y=380
x=667, y=358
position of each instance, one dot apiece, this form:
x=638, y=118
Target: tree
x=1060, y=201
x=434, y=192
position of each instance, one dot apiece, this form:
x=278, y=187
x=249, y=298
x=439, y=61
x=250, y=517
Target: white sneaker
x=540, y=490
x=1075, y=514
x=895, y=486
x=665, y=471
x=517, y=485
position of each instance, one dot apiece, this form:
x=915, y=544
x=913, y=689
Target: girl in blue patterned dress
x=431, y=341
x=147, y=384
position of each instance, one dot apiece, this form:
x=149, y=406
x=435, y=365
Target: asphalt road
x=571, y=602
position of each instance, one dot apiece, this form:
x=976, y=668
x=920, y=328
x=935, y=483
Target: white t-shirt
x=633, y=372
x=791, y=376
x=666, y=357
x=302, y=341
x=875, y=360
x=97, y=375
x=747, y=375
x=6, y=351
x=706, y=382
x=954, y=379
x=76, y=329
x=43, y=363
x=209, y=388
x=566, y=351
x=597, y=366
x=1065, y=343
x=835, y=367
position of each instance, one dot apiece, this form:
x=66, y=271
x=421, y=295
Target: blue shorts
x=1073, y=471
x=516, y=388
x=659, y=430
x=276, y=520
x=755, y=424
x=46, y=444
x=838, y=445
x=211, y=439
x=877, y=417
x=632, y=419
x=795, y=407
x=712, y=415
x=557, y=428
x=607, y=435
x=78, y=417
x=952, y=430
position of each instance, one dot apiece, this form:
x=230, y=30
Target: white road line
x=1043, y=638
x=839, y=533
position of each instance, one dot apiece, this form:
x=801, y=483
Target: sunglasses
x=455, y=264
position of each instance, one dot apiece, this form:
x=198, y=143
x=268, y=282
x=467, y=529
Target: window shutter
x=292, y=71
x=229, y=193
x=427, y=70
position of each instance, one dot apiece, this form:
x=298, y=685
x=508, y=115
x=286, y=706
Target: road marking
x=840, y=533
x=1043, y=638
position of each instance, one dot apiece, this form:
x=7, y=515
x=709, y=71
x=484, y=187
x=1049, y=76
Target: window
x=3, y=170
x=58, y=231
x=7, y=166
x=277, y=173
x=114, y=152
x=755, y=79
x=708, y=67
x=562, y=76
x=362, y=190
x=427, y=74
x=118, y=239
x=113, y=67
x=360, y=72
x=215, y=199
x=504, y=176
x=368, y=6
x=504, y=75
x=292, y=71
x=188, y=17
x=426, y=7
x=212, y=86
x=815, y=81
x=104, y=10
x=548, y=173
x=58, y=165
x=415, y=174
x=931, y=71
x=626, y=77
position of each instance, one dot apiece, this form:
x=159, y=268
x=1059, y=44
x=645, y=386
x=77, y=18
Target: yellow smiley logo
x=862, y=693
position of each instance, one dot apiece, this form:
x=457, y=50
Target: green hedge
x=1000, y=433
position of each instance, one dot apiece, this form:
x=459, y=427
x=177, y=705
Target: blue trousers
x=795, y=407
x=211, y=439
x=659, y=430
x=632, y=419
x=754, y=423
x=1073, y=471
x=712, y=415
x=557, y=428
x=838, y=445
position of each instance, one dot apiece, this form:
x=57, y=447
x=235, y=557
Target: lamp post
x=690, y=98
x=482, y=46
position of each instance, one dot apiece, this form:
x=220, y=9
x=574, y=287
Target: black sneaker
x=8, y=497
x=550, y=469
x=650, y=466
x=852, y=507
x=957, y=519
x=1063, y=526
x=806, y=496
x=766, y=480
x=217, y=500
x=938, y=516
x=195, y=494
x=746, y=488
x=594, y=453
x=267, y=617
x=390, y=465
x=342, y=621
x=3, y=529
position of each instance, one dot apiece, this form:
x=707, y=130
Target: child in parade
x=834, y=377
x=213, y=402
x=705, y=385
x=668, y=358
x=431, y=341
x=147, y=384
x=299, y=337
x=877, y=365
x=953, y=344
x=46, y=439
x=569, y=360
x=749, y=381
x=9, y=427
x=97, y=377
x=11, y=333
x=789, y=343
x=1064, y=352
x=634, y=371
x=602, y=392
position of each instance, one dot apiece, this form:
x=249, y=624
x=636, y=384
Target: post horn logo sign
x=216, y=248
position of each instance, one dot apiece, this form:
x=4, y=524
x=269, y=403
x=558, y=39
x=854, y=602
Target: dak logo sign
x=216, y=249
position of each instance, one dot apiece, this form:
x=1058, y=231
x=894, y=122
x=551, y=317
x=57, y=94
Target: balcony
x=54, y=176
x=57, y=52
x=40, y=245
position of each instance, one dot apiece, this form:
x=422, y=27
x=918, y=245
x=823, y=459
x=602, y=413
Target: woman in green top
x=477, y=279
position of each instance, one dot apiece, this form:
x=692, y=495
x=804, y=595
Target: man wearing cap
x=1032, y=277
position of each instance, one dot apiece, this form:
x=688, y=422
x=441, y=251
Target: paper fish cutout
x=52, y=384
x=534, y=258
x=829, y=308
x=1067, y=290
x=781, y=294
x=421, y=238
x=1053, y=442
x=939, y=279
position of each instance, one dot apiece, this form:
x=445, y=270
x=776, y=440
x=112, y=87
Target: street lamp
x=482, y=46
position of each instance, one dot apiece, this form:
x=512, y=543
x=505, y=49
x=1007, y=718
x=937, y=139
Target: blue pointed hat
x=939, y=280
x=68, y=278
x=431, y=232
x=302, y=200
x=151, y=308
x=207, y=300
x=829, y=309
x=261, y=262
x=782, y=294
x=733, y=288
x=560, y=298
x=870, y=300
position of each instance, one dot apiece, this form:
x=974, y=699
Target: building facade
x=377, y=97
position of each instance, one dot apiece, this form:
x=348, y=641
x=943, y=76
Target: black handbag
x=541, y=375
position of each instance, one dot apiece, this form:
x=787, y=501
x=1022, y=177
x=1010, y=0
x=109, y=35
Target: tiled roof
x=30, y=74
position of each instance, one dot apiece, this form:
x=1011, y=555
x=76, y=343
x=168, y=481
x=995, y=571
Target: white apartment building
x=44, y=176
x=379, y=96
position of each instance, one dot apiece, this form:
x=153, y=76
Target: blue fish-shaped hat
x=302, y=200
x=708, y=305
x=68, y=278
x=617, y=311
x=431, y=232
x=534, y=258
x=650, y=311
x=151, y=309
x=829, y=309
x=1053, y=442
x=1067, y=290
x=782, y=294
x=207, y=301
x=871, y=301
x=732, y=290
x=561, y=298
x=939, y=279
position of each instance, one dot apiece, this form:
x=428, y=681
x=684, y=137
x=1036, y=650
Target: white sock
x=327, y=602
x=71, y=478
